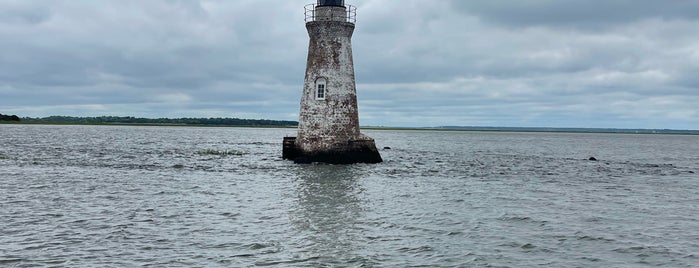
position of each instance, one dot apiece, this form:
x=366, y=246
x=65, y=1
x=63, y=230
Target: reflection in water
x=327, y=213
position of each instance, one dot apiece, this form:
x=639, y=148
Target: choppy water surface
x=95, y=196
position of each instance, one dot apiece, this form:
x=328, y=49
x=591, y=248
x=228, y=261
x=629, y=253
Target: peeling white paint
x=330, y=123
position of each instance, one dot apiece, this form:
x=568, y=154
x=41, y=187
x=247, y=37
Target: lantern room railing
x=350, y=15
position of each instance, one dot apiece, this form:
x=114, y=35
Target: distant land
x=575, y=130
x=129, y=120
x=4, y=117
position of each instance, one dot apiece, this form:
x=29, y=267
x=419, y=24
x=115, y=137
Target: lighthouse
x=328, y=130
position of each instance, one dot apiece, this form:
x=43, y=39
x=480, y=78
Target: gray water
x=102, y=196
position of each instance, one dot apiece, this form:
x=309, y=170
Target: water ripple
x=95, y=196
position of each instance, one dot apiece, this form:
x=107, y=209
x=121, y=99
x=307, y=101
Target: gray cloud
x=424, y=63
x=577, y=14
x=22, y=13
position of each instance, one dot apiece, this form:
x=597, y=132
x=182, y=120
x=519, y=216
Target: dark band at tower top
x=340, y=3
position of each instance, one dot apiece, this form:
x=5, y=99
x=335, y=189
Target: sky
x=418, y=63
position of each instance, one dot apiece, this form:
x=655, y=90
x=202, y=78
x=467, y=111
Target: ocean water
x=118, y=196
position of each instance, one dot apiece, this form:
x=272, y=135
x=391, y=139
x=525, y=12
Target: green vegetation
x=220, y=153
x=127, y=120
x=12, y=118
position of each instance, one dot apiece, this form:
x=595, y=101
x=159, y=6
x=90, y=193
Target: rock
x=387, y=148
x=592, y=159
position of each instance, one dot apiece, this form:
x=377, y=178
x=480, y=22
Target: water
x=101, y=196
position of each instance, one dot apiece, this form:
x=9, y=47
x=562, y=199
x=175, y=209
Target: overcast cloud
x=549, y=63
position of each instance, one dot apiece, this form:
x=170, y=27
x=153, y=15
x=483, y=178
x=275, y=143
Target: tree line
x=159, y=121
x=9, y=118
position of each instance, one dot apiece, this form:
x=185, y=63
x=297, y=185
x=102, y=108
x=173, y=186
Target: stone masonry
x=328, y=128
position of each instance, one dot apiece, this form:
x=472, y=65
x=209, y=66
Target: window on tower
x=321, y=92
x=320, y=89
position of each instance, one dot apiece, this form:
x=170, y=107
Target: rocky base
x=359, y=151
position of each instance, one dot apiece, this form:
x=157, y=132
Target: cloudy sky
x=545, y=63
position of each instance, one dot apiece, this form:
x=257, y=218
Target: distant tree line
x=159, y=121
x=9, y=118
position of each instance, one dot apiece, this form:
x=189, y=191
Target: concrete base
x=358, y=151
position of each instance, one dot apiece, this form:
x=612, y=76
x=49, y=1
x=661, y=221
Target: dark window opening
x=320, y=93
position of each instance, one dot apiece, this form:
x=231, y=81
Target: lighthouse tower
x=328, y=128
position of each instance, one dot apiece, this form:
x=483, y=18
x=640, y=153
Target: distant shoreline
x=446, y=129
x=545, y=130
x=137, y=121
x=572, y=130
x=138, y=124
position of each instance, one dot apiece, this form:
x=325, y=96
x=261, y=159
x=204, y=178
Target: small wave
x=52, y=215
x=16, y=202
x=649, y=251
x=244, y=255
x=286, y=262
x=416, y=249
x=10, y=260
x=591, y=259
x=224, y=246
x=230, y=214
x=515, y=218
x=593, y=238
x=519, y=245
x=36, y=247
x=257, y=246
x=528, y=246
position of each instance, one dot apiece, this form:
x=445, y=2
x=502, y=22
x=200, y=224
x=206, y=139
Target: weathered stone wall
x=329, y=126
x=333, y=120
x=330, y=13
